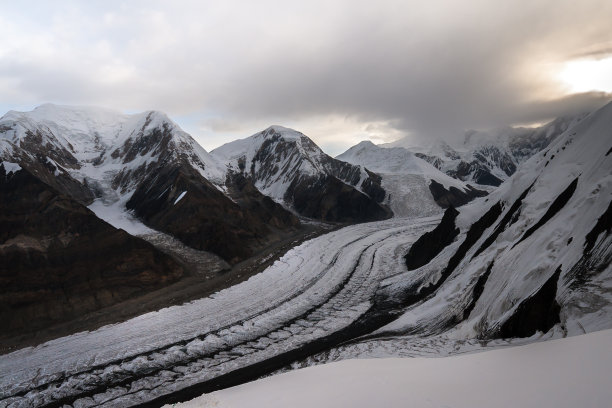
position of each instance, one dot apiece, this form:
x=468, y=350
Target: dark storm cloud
x=428, y=68
x=434, y=76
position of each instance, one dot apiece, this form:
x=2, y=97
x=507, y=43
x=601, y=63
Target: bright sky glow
x=588, y=75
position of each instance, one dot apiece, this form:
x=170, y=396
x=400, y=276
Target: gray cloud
x=427, y=68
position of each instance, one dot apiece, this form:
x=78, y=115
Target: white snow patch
x=10, y=167
x=180, y=197
x=119, y=217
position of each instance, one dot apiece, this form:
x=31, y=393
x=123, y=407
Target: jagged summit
x=83, y=128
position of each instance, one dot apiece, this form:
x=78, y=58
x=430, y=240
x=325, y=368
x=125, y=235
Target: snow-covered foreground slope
x=406, y=179
x=566, y=373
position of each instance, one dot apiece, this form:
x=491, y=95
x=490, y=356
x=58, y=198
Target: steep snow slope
x=537, y=251
x=407, y=179
x=563, y=373
x=289, y=167
x=488, y=157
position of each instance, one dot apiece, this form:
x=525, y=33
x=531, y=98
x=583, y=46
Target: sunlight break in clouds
x=588, y=75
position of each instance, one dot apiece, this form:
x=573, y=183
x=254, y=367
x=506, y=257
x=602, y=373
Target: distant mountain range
x=488, y=157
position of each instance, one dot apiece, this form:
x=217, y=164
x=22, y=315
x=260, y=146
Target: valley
x=315, y=290
x=275, y=265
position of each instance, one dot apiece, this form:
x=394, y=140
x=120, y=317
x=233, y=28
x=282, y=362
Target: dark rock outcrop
x=540, y=312
x=295, y=170
x=59, y=261
x=510, y=217
x=453, y=196
x=554, y=208
x=328, y=199
x=416, y=293
x=604, y=224
x=480, y=173
x=430, y=244
x=179, y=201
x=477, y=292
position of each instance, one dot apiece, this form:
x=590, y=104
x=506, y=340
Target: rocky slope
x=58, y=260
x=413, y=186
x=289, y=167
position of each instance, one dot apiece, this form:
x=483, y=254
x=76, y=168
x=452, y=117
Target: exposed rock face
x=406, y=179
x=477, y=172
x=59, y=261
x=453, y=197
x=288, y=166
x=49, y=162
x=327, y=198
x=539, y=312
x=181, y=202
x=430, y=244
x=603, y=225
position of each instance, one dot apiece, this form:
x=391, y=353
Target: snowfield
x=405, y=177
x=566, y=373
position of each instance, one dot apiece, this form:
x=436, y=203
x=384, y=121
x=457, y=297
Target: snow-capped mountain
x=142, y=162
x=535, y=255
x=100, y=148
x=413, y=186
x=489, y=157
x=289, y=167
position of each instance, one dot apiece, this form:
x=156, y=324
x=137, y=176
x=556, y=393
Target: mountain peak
x=284, y=132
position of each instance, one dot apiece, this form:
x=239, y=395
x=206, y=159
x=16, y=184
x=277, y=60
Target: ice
x=405, y=178
x=307, y=294
x=119, y=217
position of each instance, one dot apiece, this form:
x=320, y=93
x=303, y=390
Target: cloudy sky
x=339, y=71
